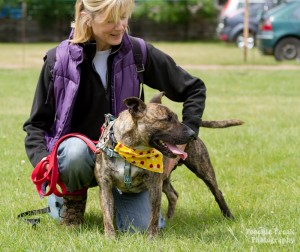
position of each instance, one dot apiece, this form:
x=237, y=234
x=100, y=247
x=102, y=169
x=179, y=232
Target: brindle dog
x=153, y=125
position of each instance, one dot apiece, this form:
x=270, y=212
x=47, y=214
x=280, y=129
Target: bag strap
x=140, y=57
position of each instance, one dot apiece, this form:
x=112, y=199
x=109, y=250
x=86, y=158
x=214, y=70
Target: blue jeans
x=76, y=167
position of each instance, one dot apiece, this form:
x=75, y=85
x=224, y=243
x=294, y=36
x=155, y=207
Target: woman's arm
x=163, y=74
x=41, y=117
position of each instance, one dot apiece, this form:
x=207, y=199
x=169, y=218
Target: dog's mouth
x=169, y=150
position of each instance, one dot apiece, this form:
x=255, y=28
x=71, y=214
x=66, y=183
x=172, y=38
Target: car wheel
x=287, y=49
x=239, y=40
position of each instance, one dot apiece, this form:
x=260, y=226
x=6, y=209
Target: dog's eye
x=169, y=118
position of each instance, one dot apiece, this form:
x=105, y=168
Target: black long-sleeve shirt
x=92, y=101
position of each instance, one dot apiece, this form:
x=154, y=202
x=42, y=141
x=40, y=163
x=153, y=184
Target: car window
x=296, y=13
x=274, y=10
x=292, y=13
x=240, y=5
x=255, y=10
x=285, y=14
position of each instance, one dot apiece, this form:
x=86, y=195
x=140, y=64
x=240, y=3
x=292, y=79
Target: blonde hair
x=104, y=10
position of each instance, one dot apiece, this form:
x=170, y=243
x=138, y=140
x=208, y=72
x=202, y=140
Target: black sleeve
x=41, y=116
x=163, y=74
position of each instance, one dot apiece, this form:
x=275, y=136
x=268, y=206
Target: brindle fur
x=143, y=125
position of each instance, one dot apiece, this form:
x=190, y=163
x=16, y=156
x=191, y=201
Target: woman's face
x=109, y=33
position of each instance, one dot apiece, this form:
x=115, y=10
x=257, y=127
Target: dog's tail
x=221, y=124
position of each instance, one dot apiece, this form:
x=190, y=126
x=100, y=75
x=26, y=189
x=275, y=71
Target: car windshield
x=296, y=13
x=275, y=9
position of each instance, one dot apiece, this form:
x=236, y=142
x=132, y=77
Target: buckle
x=109, y=152
x=140, y=68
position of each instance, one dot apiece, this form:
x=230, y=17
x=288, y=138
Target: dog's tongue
x=176, y=151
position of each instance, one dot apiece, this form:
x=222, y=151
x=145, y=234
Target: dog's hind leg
x=199, y=163
x=172, y=197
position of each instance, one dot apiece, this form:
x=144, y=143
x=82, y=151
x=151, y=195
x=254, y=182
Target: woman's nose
x=120, y=25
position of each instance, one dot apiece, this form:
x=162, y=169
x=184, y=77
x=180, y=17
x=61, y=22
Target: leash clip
x=109, y=152
x=127, y=181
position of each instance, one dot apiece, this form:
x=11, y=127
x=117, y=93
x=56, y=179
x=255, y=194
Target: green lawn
x=189, y=53
x=257, y=164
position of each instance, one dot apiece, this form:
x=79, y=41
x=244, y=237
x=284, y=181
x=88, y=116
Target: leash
x=50, y=177
x=33, y=222
x=42, y=177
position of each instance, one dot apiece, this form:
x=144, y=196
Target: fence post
x=246, y=29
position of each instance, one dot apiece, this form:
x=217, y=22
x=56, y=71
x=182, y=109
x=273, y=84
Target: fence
x=15, y=27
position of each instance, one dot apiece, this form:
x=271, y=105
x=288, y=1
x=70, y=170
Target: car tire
x=287, y=49
x=239, y=40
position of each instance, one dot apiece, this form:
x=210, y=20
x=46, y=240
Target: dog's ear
x=157, y=98
x=136, y=106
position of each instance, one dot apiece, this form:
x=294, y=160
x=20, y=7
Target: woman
x=88, y=76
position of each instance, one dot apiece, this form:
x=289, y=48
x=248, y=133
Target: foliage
x=12, y=3
x=47, y=13
x=174, y=11
x=11, y=9
x=51, y=12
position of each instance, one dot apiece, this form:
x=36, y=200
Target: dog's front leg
x=107, y=207
x=105, y=194
x=155, y=192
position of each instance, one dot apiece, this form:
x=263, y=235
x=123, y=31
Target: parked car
x=231, y=25
x=279, y=32
x=233, y=6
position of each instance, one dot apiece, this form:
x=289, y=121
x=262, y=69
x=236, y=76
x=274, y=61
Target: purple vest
x=66, y=75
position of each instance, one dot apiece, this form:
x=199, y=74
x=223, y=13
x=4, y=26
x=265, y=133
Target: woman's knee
x=133, y=211
x=72, y=151
x=76, y=164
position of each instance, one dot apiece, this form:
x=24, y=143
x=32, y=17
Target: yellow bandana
x=150, y=159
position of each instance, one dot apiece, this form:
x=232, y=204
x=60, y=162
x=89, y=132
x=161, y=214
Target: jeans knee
x=74, y=152
x=76, y=164
x=133, y=211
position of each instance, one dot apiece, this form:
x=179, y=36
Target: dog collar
x=149, y=159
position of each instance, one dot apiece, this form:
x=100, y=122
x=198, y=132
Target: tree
x=182, y=12
x=174, y=11
x=49, y=13
x=12, y=3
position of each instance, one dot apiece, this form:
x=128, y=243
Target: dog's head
x=154, y=125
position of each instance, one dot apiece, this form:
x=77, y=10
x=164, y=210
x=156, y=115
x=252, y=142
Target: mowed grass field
x=257, y=164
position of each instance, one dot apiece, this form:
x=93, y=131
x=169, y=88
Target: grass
x=257, y=164
x=189, y=53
